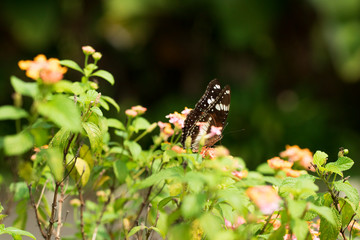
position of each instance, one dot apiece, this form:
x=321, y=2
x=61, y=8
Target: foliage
x=120, y=189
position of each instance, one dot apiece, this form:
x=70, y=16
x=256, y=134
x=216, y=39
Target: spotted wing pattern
x=211, y=110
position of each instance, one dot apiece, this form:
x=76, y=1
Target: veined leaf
x=94, y=135
x=320, y=158
x=140, y=123
x=324, y=212
x=105, y=75
x=63, y=112
x=11, y=112
x=169, y=173
x=111, y=101
x=351, y=192
x=16, y=233
x=54, y=159
x=71, y=64
x=18, y=144
x=134, y=148
x=112, y=122
x=136, y=229
x=29, y=89
x=120, y=170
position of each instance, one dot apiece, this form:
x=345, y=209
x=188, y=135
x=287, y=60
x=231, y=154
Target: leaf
x=60, y=139
x=94, y=135
x=83, y=170
x=164, y=202
x=300, y=228
x=63, y=112
x=29, y=89
x=97, y=111
x=169, y=173
x=16, y=232
x=330, y=231
x=324, y=212
x=319, y=158
x=134, y=148
x=18, y=144
x=112, y=122
x=11, y=112
x=332, y=167
x=105, y=75
x=351, y=192
x=136, y=229
x=54, y=159
x=162, y=234
x=296, y=207
x=192, y=205
x=111, y=101
x=278, y=234
x=71, y=64
x=140, y=123
x=120, y=170
x=63, y=86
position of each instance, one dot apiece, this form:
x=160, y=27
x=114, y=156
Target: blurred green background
x=293, y=66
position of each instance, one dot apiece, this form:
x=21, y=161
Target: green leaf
x=16, y=233
x=296, y=207
x=346, y=213
x=105, y=75
x=300, y=228
x=71, y=64
x=164, y=202
x=97, y=111
x=192, y=205
x=120, y=170
x=111, y=101
x=11, y=112
x=351, y=192
x=29, y=89
x=169, y=173
x=78, y=88
x=162, y=234
x=54, y=159
x=140, y=123
x=112, y=122
x=60, y=139
x=63, y=86
x=63, y=112
x=136, y=229
x=330, y=231
x=332, y=167
x=320, y=158
x=324, y=212
x=134, y=148
x=278, y=234
x=18, y=144
x=83, y=170
x=94, y=135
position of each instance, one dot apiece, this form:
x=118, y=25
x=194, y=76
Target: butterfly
x=211, y=110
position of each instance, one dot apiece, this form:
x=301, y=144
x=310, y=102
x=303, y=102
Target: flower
x=186, y=111
x=131, y=112
x=265, y=198
x=177, y=119
x=165, y=130
x=208, y=152
x=240, y=174
x=139, y=109
x=279, y=164
x=88, y=50
x=97, y=56
x=221, y=151
x=49, y=70
x=239, y=221
x=293, y=173
x=178, y=149
x=296, y=154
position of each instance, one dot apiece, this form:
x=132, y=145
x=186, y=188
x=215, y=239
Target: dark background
x=293, y=66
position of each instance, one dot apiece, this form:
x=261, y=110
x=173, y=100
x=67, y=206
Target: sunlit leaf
x=140, y=123
x=120, y=170
x=62, y=111
x=94, y=135
x=11, y=112
x=169, y=173
x=111, y=101
x=136, y=229
x=112, y=122
x=54, y=159
x=29, y=89
x=320, y=158
x=134, y=148
x=18, y=144
x=71, y=64
x=105, y=75
x=351, y=192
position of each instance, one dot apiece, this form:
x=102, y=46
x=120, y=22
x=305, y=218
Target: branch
x=82, y=204
x=61, y=201
x=142, y=207
x=36, y=211
x=52, y=217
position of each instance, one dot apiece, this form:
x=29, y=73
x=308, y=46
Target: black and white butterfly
x=211, y=110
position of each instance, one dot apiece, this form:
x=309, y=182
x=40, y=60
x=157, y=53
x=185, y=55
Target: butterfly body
x=211, y=110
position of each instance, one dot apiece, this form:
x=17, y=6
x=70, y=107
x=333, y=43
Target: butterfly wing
x=212, y=109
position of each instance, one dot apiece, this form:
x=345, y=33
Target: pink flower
x=131, y=112
x=265, y=197
x=186, y=111
x=139, y=109
x=214, y=131
x=88, y=50
x=295, y=153
x=177, y=119
x=277, y=163
x=208, y=152
x=165, y=130
x=178, y=149
x=240, y=174
x=239, y=221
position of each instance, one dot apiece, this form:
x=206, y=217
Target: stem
x=52, y=217
x=82, y=204
x=61, y=201
x=143, y=204
x=36, y=211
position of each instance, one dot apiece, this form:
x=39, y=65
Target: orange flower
x=295, y=153
x=165, y=130
x=50, y=71
x=131, y=112
x=178, y=149
x=265, y=197
x=279, y=164
x=208, y=152
x=240, y=174
x=139, y=109
x=221, y=151
x=292, y=173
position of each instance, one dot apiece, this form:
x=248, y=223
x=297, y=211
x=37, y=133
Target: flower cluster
x=135, y=111
x=265, y=198
x=239, y=221
x=293, y=154
x=48, y=70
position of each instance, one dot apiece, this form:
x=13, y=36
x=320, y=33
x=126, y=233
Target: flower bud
x=97, y=56
x=88, y=50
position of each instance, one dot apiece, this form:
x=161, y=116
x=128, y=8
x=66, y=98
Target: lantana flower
x=177, y=119
x=279, y=164
x=165, y=130
x=131, y=113
x=139, y=109
x=265, y=198
x=88, y=50
x=49, y=70
x=296, y=154
x=240, y=174
x=239, y=221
